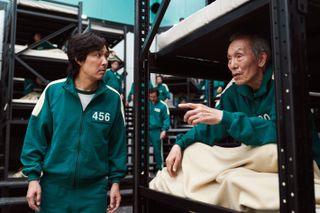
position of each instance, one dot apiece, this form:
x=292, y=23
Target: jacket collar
x=70, y=86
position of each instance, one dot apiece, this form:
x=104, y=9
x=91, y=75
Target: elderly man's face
x=243, y=64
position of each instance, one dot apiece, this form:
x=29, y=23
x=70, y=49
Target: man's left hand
x=115, y=198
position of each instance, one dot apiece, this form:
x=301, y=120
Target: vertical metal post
x=294, y=141
x=80, y=8
x=10, y=85
x=210, y=93
x=125, y=31
x=141, y=87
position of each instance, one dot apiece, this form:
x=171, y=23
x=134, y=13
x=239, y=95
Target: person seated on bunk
x=43, y=45
x=130, y=97
x=112, y=77
x=32, y=88
x=246, y=113
x=164, y=93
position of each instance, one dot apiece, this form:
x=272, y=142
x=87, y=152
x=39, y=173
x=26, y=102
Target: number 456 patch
x=101, y=116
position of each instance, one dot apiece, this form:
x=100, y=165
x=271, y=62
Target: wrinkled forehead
x=239, y=45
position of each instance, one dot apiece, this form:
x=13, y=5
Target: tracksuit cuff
x=227, y=118
x=33, y=176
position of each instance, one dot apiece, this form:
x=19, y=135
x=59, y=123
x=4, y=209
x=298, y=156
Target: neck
x=256, y=83
x=85, y=84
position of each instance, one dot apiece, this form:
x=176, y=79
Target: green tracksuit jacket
x=159, y=120
x=114, y=80
x=163, y=92
x=72, y=145
x=131, y=92
x=248, y=117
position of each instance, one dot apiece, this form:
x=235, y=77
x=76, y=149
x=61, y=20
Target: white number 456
x=101, y=116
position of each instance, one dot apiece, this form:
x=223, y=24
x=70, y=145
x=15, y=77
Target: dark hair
x=258, y=43
x=159, y=76
x=79, y=46
x=154, y=90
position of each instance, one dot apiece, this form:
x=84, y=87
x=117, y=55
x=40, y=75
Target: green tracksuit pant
x=57, y=197
x=154, y=137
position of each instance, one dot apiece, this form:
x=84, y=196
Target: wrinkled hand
x=115, y=198
x=163, y=134
x=200, y=113
x=34, y=195
x=173, y=161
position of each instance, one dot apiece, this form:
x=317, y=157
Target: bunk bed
x=293, y=33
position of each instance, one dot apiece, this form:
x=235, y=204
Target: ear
x=78, y=62
x=262, y=60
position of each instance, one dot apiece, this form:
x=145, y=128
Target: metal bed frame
x=288, y=35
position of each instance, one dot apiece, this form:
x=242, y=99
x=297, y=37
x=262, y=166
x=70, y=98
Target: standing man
x=164, y=93
x=76, y=137
x=112, y=77
x=159, y=123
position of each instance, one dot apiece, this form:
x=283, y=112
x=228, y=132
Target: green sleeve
x=207, y=134
x=28, y=86
x=250, y=130
x=165, y=113
x=118, y=148
x=39, y=132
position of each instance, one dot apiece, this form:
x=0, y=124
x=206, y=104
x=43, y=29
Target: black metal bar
x=10, y=85
x=46, y=38
x=210, y=94
x=80, y=6
x=40, y=14
x=182, y=203
x=154, y=29
x=33, y=71
x=294, y=141
x=141, y=74
x=125, y=31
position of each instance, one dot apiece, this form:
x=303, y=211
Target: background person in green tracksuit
x=164, y=93
x=131, y=92
x=76, y=137
x=246, y=111
x=159, y=123
x=216, y=89
x=112, y=77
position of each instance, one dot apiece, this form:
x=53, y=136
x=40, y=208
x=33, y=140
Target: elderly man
x=240, y=177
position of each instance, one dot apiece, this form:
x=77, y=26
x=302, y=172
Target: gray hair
x=258, y=43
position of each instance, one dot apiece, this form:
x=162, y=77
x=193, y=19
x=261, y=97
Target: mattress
x=197, y=20
x=47, y=53
x=49, y=6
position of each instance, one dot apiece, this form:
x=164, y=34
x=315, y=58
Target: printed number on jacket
x=101, y=116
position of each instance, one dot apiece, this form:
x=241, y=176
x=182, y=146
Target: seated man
x=242, y=177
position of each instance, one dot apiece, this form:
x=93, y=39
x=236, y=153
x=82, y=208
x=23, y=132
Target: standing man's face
x=95, y=64
x=159, y=80
x=153, y=97
x=245, y=67
x=115, y=65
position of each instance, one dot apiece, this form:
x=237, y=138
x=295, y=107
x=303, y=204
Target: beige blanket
x=242, y=178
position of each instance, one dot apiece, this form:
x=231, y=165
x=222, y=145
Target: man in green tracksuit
x=76, y=137
x=131, y=92
x=216, y=89
x=163, y=89
x=159, y=123
x=112, y=77
x=246, y=111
